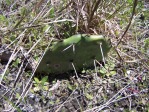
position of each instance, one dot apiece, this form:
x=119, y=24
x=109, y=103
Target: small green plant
x=16, y=62
x=108, y=70
x=41, y=84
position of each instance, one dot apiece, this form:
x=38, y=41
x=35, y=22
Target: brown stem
x=133, y=12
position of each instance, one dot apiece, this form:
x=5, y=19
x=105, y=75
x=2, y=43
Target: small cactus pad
x=81, y=50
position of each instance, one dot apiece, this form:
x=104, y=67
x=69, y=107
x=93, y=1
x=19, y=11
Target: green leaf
x=46, y=28
x=36, y=89
x=45, y=88
x=44, y=79
x=2, y=18
x=113, y=72
x=16, y=62
x=51, y=102
x=130, y=1
x=88, y=96
x=17, y=95
x=23, y=11
x=8, y=2
x=70, y=87
x=52, y=12
x=102, y=71
x=12, y=38
x=36, y=80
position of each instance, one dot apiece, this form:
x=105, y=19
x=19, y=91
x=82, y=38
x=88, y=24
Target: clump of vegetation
x=27, y=28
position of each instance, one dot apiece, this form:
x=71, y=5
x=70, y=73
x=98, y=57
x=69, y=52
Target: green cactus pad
x=81, y=50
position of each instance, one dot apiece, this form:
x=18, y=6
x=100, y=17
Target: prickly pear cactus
x=81, y=50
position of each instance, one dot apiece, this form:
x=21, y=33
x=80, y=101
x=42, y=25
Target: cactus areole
x=78, y=50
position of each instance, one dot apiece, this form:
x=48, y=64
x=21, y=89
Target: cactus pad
x=81, y=50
